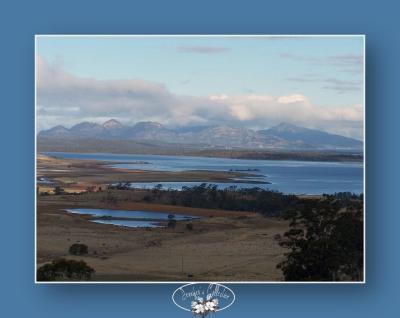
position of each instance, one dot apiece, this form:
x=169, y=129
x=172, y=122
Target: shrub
x=189, y=226
x=147, y=198
x=171, y=223
x=277, y=237
x=109, y=198
x=58, y=190
x=61, y=269
x=78, y=249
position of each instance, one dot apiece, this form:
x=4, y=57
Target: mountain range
x=282, y=136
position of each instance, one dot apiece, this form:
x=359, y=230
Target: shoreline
x=274, y=155
x=76, y=175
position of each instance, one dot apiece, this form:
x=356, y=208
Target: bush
x=58, y=190
x=189, y=226
x=147, y=198
x=61, y=269
x=277, y=237
x=109, y=198
x=78, y=249
x=171, y=223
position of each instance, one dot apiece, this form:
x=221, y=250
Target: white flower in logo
x=211, y=305
x=203, y=308
x=199, y=309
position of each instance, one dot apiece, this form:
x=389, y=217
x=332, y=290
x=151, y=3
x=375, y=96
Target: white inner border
x=202, y=35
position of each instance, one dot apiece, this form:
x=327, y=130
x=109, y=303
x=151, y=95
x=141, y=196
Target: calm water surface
x=131, y=218
x=297, y=177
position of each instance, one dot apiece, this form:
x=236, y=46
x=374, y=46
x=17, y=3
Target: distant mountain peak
x=84, y=124
x=59, y=127
x=285, y=135
x=285, y=127
x=112, y=124
x=149, y=124
x=304, y=137
x=56, y=131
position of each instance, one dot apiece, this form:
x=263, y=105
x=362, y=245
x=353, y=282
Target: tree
x=325, y=242
x=58, y=190
x=62, y=269
x=78, y=249
x=189, y=226
x=171, y=223
x=109, y=198
x=90, y=189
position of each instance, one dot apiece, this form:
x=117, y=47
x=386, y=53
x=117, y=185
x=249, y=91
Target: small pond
x=131, y=218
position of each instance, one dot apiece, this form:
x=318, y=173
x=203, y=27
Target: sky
x=250, y=82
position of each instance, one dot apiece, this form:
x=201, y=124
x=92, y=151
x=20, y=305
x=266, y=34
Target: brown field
x=223, y=246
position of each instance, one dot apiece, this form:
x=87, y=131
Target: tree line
x=266, y=202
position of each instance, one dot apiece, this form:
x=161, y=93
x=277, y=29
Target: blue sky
x=327, y=72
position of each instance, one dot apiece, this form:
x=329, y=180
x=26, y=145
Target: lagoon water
x=128, y=223
x=130, y=218
x=297, y=177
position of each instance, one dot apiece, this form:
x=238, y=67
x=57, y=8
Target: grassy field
x=223, y=245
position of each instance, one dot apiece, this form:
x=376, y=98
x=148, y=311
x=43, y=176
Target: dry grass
x=223, y=245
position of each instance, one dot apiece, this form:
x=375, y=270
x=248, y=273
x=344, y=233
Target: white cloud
x=296, y=98
x=67, y=99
